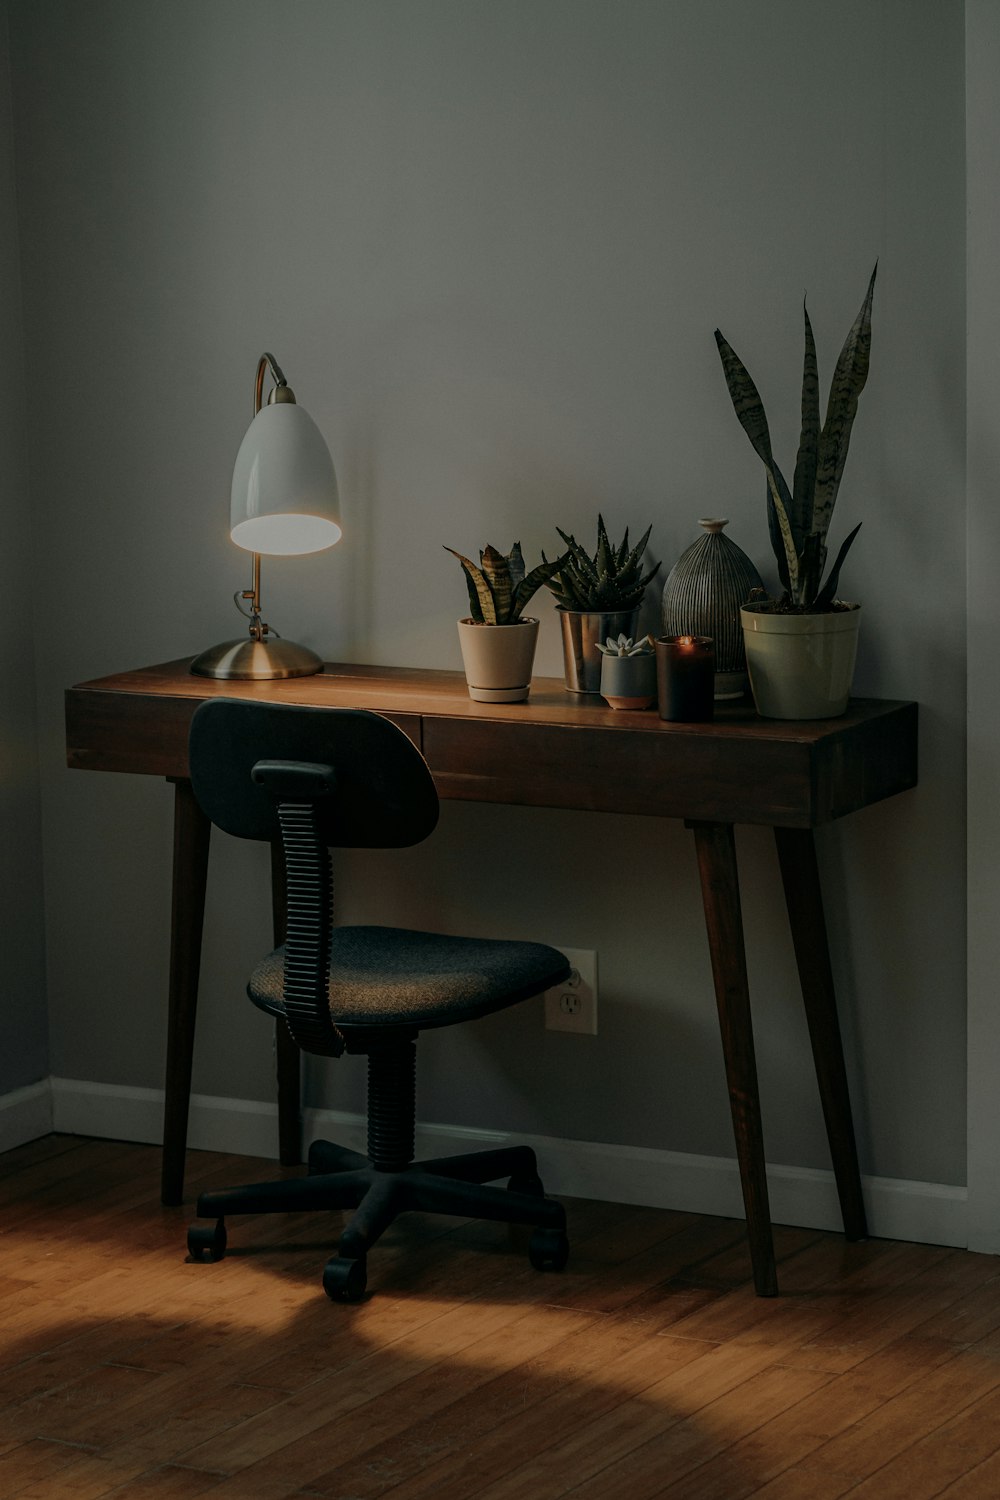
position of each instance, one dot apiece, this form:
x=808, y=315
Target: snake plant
x=609, y=581
x=626, y=646
x=798, y=520
x=499, y=588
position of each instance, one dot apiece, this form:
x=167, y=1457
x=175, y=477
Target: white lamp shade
x=284, y=497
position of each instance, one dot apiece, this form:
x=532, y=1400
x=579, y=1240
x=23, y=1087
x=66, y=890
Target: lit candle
x=685, y=678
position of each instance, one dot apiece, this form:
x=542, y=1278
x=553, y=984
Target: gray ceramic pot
x=629, y=681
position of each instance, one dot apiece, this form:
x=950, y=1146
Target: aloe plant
x=611, y=580
x=499, y=588
x=799, y=520
x=626, y=646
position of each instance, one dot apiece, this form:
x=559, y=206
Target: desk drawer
x=663, y=774
x=147, y=733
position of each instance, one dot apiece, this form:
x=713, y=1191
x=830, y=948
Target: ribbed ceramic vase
x=703, y=594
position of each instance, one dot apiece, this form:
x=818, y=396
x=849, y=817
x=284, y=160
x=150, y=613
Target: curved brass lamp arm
x=279, y=379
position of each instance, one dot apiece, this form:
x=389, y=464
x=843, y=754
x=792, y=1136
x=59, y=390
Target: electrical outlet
x=572, y=1005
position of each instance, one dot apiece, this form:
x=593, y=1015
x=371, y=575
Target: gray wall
x=23, y=1026
x=983, y=172
x=489, y=243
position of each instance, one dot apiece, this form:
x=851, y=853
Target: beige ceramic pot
x=801, y=666
x=498, y=659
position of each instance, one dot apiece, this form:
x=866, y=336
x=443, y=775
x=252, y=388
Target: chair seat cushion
x=390, y=976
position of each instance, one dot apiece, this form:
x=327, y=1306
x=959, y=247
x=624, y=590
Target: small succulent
x=799, y=519
x=626, y=646
x=499, y=589
x=610, y=580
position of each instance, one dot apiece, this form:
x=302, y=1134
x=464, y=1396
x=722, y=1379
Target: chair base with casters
x=322, y=778
x=388, y=1183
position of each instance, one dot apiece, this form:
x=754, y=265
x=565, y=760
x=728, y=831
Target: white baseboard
x=930, y=1212
x=25, y=1114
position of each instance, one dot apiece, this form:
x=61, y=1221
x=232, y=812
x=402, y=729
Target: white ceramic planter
x=801, y=666
x=498, y=659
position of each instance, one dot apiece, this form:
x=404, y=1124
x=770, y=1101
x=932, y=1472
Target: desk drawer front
x=108, y=731
x=662, y=774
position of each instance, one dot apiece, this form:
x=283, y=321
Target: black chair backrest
x=383, y=795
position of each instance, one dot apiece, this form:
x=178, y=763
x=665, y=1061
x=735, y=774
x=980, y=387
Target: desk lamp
x=284, y=501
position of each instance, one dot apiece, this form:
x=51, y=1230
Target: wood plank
x=889, y=1431
x=924, y=1468
x=671, y=1430
x=384, y=1459
x=786, y=1441
x=980, y=1483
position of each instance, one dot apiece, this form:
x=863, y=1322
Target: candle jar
x=685, y=678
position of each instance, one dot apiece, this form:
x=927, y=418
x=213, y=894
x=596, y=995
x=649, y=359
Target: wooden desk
x=556, y=750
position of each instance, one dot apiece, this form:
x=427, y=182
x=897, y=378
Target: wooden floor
x=647, y=1368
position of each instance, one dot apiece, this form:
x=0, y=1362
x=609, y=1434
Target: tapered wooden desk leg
x=804, y=900
x=287, y=1058
x=192, y=832
x=720, y=892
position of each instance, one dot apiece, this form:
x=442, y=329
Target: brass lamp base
x=257, y=661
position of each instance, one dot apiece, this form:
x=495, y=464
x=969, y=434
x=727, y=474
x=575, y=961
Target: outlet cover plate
x=572, y=1005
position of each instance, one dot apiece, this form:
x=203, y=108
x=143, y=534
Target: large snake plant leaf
x=777, y=540
x=779, y=510
x=804, y=479
x=812, y=561
x=515, y=561
x=480, y=597
x=530, y=584
x=559, y=590
x=750, y=410
x=849, y=379
x=829, y=590
x=497, y=571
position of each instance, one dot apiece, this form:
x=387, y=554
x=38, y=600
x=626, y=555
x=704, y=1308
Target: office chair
x=317, y=778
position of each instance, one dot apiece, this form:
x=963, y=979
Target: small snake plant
x=798, y=520
x=611, y=580
x=626, y=646
x=499, y=588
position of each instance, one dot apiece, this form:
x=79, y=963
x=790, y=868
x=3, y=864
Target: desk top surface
x=557, y=749
x=430, y=692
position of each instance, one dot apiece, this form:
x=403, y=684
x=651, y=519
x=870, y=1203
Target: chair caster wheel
x=205, y=1241
x=526, y=1182
x=548, y=1249
x=345, y=1280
